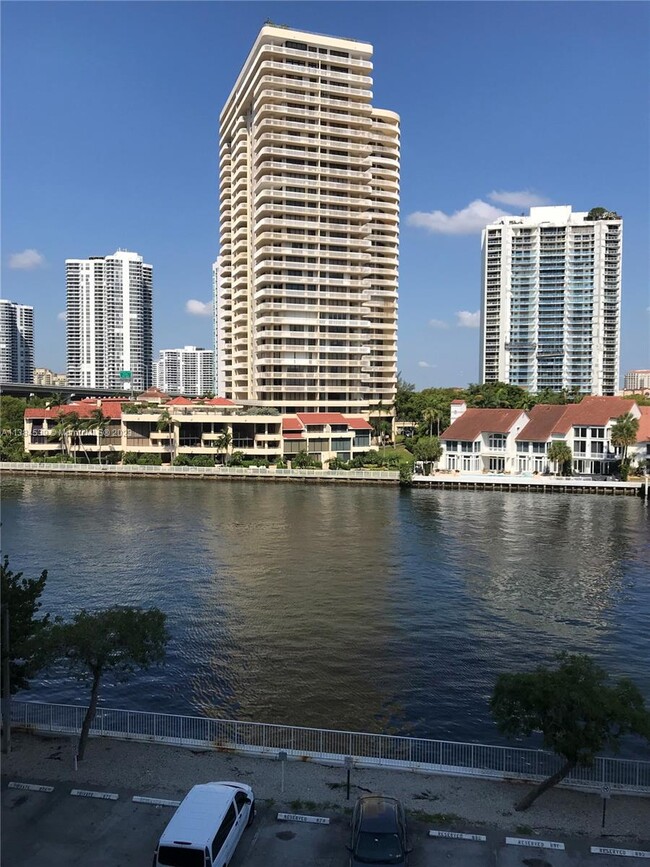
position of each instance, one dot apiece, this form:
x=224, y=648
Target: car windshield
x=378, y=848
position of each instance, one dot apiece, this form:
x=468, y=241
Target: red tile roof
x=599, y=410
x=474, y=421
x=153, y=393
x=291, y=422
x=643, y=434
x=545, y=418
x=309, y=418
x=457, y=401
x=217, y=401
x=83, y=408
x=179, y=401
x=359, y=424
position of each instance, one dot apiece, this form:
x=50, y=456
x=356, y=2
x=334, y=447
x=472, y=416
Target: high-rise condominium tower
x=188, y=371
x=16, y=342
x=109, y=321
x=550, y=313
x=306, y=295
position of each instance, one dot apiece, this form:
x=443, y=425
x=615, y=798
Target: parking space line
x=455, y=835
x=626, y=853
x=31, y=787
x=296, y=817
x=84, y=793
x=537, y=844
x=159, y=802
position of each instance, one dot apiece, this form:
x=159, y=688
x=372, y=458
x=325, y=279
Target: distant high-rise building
x=188, y=371
x=215, y=320
x=551, y=300
x=636, y=380
x=109, y=321
x=16, y=342
x=45, y=376
x=306, y=302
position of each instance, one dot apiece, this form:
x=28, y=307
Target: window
x=497, y=442
x=522, y=446
x=222, y=834
x=172, y=856
x=240, y=799
x=539, y=448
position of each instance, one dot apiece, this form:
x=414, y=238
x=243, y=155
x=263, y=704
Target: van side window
x=240, y=800
x=224, y=829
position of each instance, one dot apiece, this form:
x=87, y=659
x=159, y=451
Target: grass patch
x=310, y=805
x=436, y=818
x=296, y=805
x=270, y=802
x=524, y=829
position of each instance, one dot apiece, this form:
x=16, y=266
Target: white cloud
x=62, y=316
x=438, y=323
x=467, y=221
x=465, y=319
x=27, y=260
x=199, y=308
x=518, y=198
x=425, y=364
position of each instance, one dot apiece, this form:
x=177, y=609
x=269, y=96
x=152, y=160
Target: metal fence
x=328, y=746
x=256, y=472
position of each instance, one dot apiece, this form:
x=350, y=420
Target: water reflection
x=340, y=607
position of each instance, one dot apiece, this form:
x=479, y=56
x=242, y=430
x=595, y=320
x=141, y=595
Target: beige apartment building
x=307, y=275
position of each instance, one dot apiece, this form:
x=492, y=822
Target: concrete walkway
x=452, y=802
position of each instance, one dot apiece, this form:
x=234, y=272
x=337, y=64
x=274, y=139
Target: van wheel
x=251, y=815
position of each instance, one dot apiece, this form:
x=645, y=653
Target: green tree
x=576, y=709
x=427, y=449
x=12, y=445
x=63, y=432
x=165, y=424
x=97, y=423
x=117, y=641
x=559, y=453
x=223, y=443
x=432, y=415
x=12, y=413
x=624, y=431
x=21, y=602
x=304, y=461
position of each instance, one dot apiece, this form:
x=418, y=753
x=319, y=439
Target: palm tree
x=63, y=431
x=165, y=423
x=560, y=454
x=623, y=434
x=97, y=422
x=223, y=443
x=431, y=414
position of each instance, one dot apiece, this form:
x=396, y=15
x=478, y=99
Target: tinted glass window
x=379, y=848
x=172, y=856
x=224, y=830
x=240, y=800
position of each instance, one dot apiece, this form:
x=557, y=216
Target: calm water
x=363, y=608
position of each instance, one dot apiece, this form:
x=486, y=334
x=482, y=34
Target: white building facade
x=188, y=371
x=306, y=291
x=551, y=299
x=109, y=321
x=636, y=381
x=16, y=342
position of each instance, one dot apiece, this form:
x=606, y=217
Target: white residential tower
x=16, y=342
x=306, y=295
x=188, y=371
x=109, y=321
x=551, y=300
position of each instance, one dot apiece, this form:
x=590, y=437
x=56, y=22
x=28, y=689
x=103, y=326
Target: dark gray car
x=378, y=832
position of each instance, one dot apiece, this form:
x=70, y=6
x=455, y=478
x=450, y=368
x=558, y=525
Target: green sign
x=125, y=374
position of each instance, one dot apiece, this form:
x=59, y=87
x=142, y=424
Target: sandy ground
x=453, y=802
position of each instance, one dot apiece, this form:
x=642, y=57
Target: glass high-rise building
x=551, y=300
x=306, y=290
x=109, y=321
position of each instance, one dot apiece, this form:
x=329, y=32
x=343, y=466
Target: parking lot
x=62, y=830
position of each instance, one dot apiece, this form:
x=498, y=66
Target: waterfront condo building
x=45, y=376
x=109, y=321
x=16, y=342
x=306, y=290
x=636, y=381
x=551, y=299
x=188, y=371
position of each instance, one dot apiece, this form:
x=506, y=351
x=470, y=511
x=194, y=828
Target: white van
x=205, y=829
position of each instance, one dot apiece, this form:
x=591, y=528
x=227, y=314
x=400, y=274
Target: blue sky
x=110, y=139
